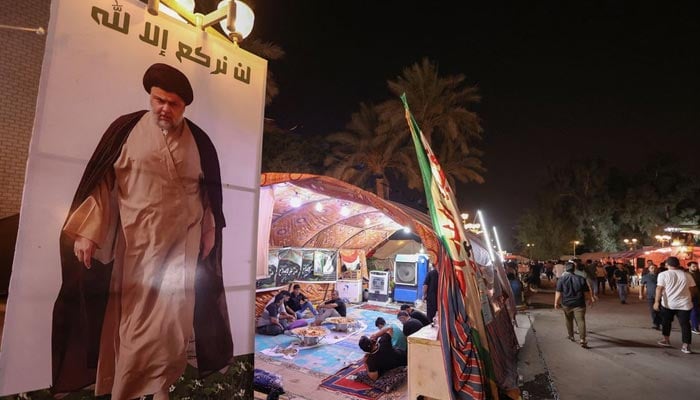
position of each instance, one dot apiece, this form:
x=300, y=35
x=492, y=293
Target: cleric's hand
x=84, y=249
x=207, y=243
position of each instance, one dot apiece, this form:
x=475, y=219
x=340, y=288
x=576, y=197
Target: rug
x=343, y=382
x=387, y=310
x=324, y=359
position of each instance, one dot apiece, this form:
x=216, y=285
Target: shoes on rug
x=571, y=338
x=584, y=345
x=686, y=350
x=623, y=302
x=695, y=331
x=663, y=343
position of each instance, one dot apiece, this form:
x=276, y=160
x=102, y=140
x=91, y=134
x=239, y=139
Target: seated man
x=419, y=315
x=335, y=307
x=299, y=303
x=269, y=322
x=381, y=356
x=286, y=317
x=410, y=325
x=398, y=339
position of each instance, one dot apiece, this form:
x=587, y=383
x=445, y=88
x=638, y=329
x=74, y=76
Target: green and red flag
x=462, y=303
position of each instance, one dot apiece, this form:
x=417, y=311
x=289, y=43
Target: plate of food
x=341, y=323
x=310, y=335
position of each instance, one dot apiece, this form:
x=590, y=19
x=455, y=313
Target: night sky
x=558, y=80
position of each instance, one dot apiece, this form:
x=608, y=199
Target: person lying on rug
x=335, y=307
x=398, y=339
x=410, y=325
x=419, y=315
x=299, y=303
x=381, y=356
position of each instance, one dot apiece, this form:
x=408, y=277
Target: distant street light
x=631, y=243
x=663, y=239
x=529, y=250
x=576, y=242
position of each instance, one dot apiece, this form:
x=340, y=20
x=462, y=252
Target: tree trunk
x=382, y=187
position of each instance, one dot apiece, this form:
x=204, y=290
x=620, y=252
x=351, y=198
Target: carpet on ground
x=344, y=382
x=335, y=351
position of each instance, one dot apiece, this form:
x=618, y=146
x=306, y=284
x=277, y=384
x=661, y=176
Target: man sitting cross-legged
x=335, y=307
x=299, y=303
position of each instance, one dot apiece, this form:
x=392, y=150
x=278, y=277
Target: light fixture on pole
x=663, y=239
x=498, y=243
x=529, y=249
x=486, y=235
x=632, y=243
x=576, y=242
x=235, y=17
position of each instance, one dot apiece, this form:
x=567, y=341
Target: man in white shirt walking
x=675, y=289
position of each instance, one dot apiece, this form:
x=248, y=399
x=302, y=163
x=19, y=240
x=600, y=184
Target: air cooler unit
x=409, y=273
x=378, y=287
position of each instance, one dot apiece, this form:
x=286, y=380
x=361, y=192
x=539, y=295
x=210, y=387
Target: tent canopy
x=316, y=211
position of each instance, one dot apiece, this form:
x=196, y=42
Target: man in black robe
x=79, y=311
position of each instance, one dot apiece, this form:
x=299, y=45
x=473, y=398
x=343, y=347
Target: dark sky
x=559, y=80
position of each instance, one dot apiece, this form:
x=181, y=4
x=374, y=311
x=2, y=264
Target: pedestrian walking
x=648, y=282
x=695, y=313
x=621, y=275
x=674, y=291
x=571, y=296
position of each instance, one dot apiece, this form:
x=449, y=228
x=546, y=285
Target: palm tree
x=365, y=151
x=441, y=105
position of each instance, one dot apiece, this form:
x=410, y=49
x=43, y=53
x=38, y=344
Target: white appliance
x=406, y=269
x=378, y=287
x=349, y=289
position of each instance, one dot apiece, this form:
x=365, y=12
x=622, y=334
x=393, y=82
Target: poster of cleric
x=134, y=268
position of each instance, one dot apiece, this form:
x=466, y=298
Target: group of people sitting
x=386, y=348
x=286, y=311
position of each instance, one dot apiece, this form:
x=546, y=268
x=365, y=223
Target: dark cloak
x=80, y=307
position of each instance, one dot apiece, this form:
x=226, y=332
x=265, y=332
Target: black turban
x=169, y=79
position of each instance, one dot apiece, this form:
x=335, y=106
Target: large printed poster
x=287, y=265
x=135, y=258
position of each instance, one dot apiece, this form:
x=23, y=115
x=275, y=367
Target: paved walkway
x=624, y=361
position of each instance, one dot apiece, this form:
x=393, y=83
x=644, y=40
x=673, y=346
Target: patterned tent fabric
x=316, y=211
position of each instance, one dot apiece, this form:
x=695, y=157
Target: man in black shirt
x=621, y=275
x=571, y=292
x=419, y=315
x=381, y=356
x=269, y=322
x=430, y=289
x=335, y=307
x=299, y=303
x=410, y=325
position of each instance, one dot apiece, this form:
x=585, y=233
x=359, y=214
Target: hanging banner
x=287, y=265
x=136, y=252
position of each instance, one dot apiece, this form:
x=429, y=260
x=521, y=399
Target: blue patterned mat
x=326, y=359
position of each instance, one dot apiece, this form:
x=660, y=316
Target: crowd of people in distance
x=670, y=290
